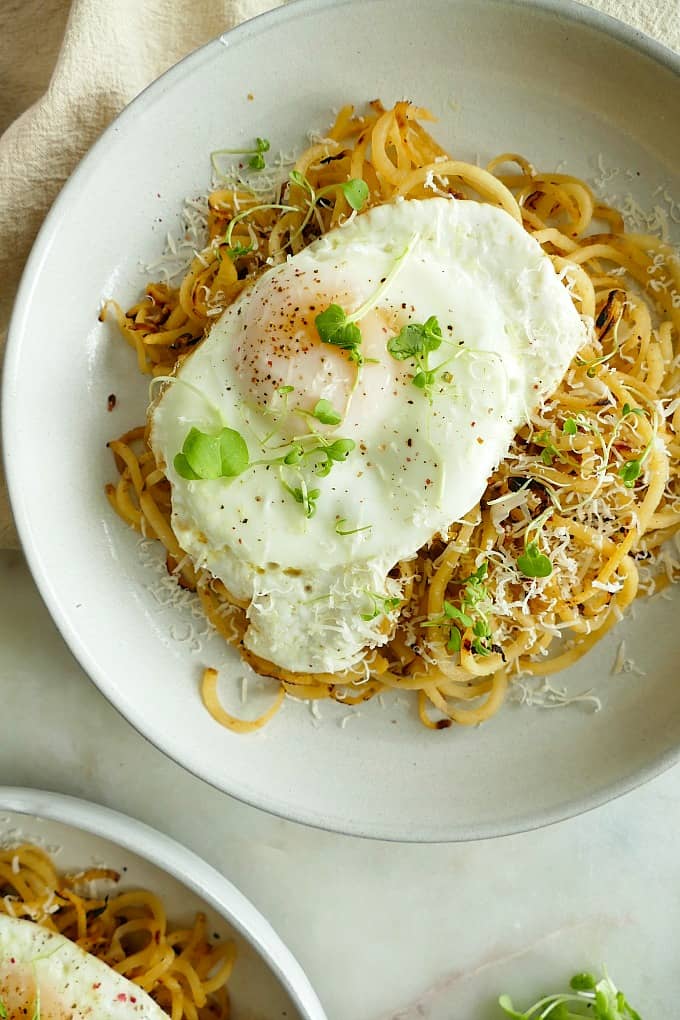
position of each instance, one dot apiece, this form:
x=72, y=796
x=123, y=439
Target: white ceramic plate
x=267, y=982
x=552, y=80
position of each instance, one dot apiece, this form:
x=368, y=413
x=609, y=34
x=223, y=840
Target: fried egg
x=45, y=975
x=315, y=572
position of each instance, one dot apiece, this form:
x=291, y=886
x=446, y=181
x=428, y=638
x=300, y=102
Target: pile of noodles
x=183, y=969
x=559, y=488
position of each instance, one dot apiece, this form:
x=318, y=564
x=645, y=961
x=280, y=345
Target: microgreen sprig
x=340, y=528
x=325, y=454
x=549, y=451
x=245, y=213
x=256, y=161
x=237, y=251
x=631, y=470
x=580, y=422
x=205, y=456
x=326, y=413
x=3, y=1011
x=417, y=341
x=532, y=562
x=472, y=614
x=303, y=495
x=592, y=367
x=589, y=997
x=336, y=327
x=381, y=604
x=323, y=411
x=355, y=190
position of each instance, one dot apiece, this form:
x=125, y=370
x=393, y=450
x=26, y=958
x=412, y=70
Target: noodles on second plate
x=184, y=969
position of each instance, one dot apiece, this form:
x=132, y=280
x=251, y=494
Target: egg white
x=42, y=968
x=511, y=330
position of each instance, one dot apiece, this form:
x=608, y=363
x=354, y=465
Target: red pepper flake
x=97, y=984
x=110, y=401
x=121, y=997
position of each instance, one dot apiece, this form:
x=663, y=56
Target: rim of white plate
x=570, y=10
x=184, y=865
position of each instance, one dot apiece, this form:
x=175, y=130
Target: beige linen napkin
x=67, y=68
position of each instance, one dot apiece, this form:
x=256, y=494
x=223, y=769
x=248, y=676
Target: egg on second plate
x=48, y=977
x=307, y=459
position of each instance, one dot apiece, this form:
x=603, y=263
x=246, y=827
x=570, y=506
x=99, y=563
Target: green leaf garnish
x=3, y=1010
x=208, y=457
x=295, y=455
x=341, y=530
x=472, y=614
x=237, y=251
x=326, y=413
x=629, y=472
x=256, y=162
x=417, y=341
x=340, y=449
x=334, y=327
x=382, y=604
x=455, y=641
x=323, y=454
x=583, y=982
x=183, y=468
x=454, y=613
x=534, y=563
x=550, y=451
x=570, y=428
x=202, y=452
x=505, y=1002
x=598, y=1000
x=302, y=182
x=307, y=497
x=233, y=452
x=356, y=192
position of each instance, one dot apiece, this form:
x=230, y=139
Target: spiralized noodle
x=562, y=484
x=183, y=969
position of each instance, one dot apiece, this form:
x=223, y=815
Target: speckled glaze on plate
x=555, y=81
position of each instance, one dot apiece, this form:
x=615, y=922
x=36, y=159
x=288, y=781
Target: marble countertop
x=384, y=931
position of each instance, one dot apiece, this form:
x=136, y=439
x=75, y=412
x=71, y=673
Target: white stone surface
x=385, y=931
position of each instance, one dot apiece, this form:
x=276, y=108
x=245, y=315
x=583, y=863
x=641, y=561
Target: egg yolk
x=278, y=345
